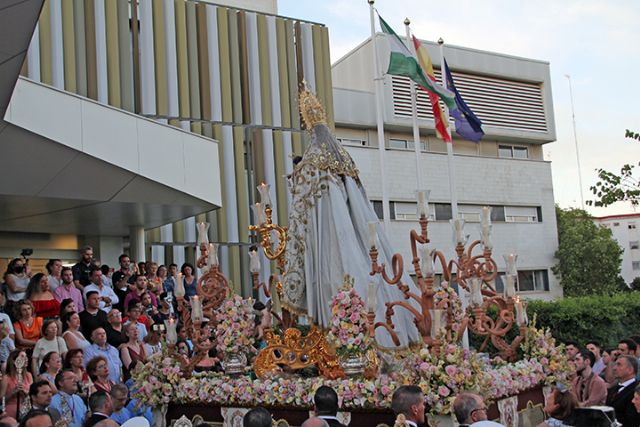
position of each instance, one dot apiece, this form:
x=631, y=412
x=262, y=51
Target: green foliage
x=613, y=187
x=588, y=257
x=606, y=319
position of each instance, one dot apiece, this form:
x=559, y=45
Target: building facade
x=506, y=170
x=625, y=231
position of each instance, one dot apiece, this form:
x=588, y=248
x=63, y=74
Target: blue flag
x=468, y=125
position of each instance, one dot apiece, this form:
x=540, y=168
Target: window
x=377, y=207
x=403, y=144
x=443, y=212
x=616, y=224
x=635, y=265
x=634, y=245
x=632, y=226
x=470, y=213
x=513, y=151
x=521, y=214
x=351, y=141
x=533, y=280
x=406, y=211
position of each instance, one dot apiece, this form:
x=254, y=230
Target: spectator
x=636, y=399
x=17, y=281
x=469, y=408
x=71, y=331
x=315, y=422
x=74, y=360
x=6, y=345
x=408, y=401
x=142, y=268
x=589, y=388
x=153, y=280
x=67, y=306
x=37, y=418
x=107, y=297
x=257, y=417
x=114, y=329
x=100, y=406
x=67, y=290
x=50, y=341
x=98, y=371
x=14, y=391
x=70, y=406
x=182, y=336
x=82, y=269
x=170, y=282
x=41, y=394
x=627, y=346
x=92, y=317
x=138, y=291
x=28, y=327
x=123, y=278
x=54, y=268
x=164, y=309
x=153, y=340
x=100, y=347
x=560, y=405
x=163, y=274
x=45, y=304
x=571, y=349
x=133, y=316
x=326, y=405
x=189, y=280
x=595, y=348
x=119, y=397
x=133, y=349
x=51, y=365
x=183, y=348
x=4, y=318
x=619, y=396
x=106, y=275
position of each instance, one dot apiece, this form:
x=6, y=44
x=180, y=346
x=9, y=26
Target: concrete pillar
x=136, y=244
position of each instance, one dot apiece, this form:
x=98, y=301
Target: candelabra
x=475, y=273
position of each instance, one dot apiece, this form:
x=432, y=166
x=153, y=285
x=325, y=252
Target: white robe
x=328, y=238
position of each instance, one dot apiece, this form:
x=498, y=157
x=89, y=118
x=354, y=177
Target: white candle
x=521, y=314
x=511, y=260
x=258, y=214
x=203, y=233
x=196, y=309
x=213, y=254
x=427, y=260
x=263, y=189
x=371, y=297
x=172, y=333
x=423, y=204
x=437, y=321
x=373, y=234
x=510, y=286
x=179, y=291
x=486, y=236
x=254, y=262
x=458, y=230
x=476, y=291
x=486, y=216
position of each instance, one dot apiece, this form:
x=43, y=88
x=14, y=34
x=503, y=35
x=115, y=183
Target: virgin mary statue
x=328, y=233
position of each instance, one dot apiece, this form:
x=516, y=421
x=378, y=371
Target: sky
x=596, y=43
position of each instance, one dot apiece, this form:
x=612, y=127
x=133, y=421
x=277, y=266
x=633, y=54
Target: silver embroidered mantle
x=328, y=229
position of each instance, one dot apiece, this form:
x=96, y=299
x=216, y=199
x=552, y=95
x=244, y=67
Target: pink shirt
x=62, y=293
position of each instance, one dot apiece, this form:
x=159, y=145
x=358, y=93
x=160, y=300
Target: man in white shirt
x=408, y=400
x=107, y=297
x=595, y=348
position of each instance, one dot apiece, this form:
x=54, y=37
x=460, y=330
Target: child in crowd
x=6, y=344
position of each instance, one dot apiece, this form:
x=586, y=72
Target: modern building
x=625, y=231
x=506, y=170
x=130, y=121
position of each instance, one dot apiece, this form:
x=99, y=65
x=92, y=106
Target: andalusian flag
x=442, y=124
x=403, y=63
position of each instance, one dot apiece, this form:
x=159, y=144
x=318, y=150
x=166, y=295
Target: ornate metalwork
x=292, y=351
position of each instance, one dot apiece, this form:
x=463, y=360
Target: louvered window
x=497, y=102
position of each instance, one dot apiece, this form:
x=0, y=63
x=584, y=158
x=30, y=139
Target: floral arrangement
x=349, y=322
x=235, y=329
x=156, y=380
x=446, y=296
x=540, y=345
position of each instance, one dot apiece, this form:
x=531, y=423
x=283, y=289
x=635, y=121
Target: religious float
x=353, y=320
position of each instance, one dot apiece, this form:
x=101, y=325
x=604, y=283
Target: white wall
x=624, y=235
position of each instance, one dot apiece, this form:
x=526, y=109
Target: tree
x=588, y=257
x=612, y=187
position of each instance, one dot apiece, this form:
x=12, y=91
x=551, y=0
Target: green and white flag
x=404, y=63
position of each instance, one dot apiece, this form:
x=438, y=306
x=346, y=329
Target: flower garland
x=446, y=296
x=349, y=325
x=236, y=327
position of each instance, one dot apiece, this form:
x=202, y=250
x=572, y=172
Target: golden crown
x=311, y=109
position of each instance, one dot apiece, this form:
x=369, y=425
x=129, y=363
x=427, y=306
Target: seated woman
x=51, y=365
x=15, y=385
x=50, y=341
x=28, y=327
x=71, y=331
x=74, y=360
x=560, y=405
x=44, y=302
x=66, y=306
x=132, y=350
x=98, y=370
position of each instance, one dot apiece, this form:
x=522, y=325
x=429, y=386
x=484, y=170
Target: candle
x=196, y=309
x=254, y=262
x=427, y=260
x=458, y=229
x=423, y=204
x=510, y=286
x=203, y=233
x=371, y=298
x=511, y=259
x=258, y=214
x=263, y=189
x=476, y=291
x=179, y=291
x=373, y=236
x=521, y=314
x=213, y=255
x=486, y=236
x=172, y=333
x=436, y=326
x=486, y=216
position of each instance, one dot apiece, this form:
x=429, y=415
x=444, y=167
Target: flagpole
x=377, y=81
x=414, y=112
x=452, y=172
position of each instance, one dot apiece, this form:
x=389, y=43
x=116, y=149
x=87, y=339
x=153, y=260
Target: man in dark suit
x=620, y=395
x=326, y=406
x=100, y=407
